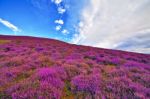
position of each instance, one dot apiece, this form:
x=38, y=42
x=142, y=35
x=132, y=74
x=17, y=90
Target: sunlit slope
x=40, y=68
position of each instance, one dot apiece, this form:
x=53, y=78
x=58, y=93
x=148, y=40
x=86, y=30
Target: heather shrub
x=6, y=49
x=116, y=61
x=71, y=71
x=90, y=57
x=53, y=77
x=23, y=75
x=134, y=64
x=71, y=61
x=45, y=61
x=18, y=42
x=87, y=84
x=24, y=89
x=143, y=79
x=39, y=49
x=7, y=75
x=74, y=56
x=117, y=73
x=45, y=83
x=32, y=68
x=96, y=70
x=90, y=63
x=15, y=61
x=119, y=88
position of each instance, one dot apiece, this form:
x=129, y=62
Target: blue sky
x=114, y=24
x=43, y=18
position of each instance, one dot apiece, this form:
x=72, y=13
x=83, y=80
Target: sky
x=113, y=24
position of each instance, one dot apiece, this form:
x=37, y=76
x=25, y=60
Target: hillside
x=40, y=68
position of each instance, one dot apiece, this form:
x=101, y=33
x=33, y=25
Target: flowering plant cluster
x=38, y=68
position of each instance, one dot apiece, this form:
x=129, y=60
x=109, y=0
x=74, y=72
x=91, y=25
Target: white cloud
x=10, y=25
x=57, y=1
x=58, y=28
x=65, y=32
x=77, y=38
x=59, y=21
x=108, y=23
x=81, y=24
x=61, y=10
x=140, y=50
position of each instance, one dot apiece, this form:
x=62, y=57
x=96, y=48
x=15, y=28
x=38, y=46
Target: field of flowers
x=39, y=68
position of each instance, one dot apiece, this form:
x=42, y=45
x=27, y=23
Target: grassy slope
x=45, y=68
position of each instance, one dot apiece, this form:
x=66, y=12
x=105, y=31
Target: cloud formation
x=57, y=1
x=58, y=28
x=61, y=10
x=10, y=25
x=110, y=23
x=59, y=22
x=65, y=32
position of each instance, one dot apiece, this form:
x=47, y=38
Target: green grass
x=5, y=96
x=67, y=91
